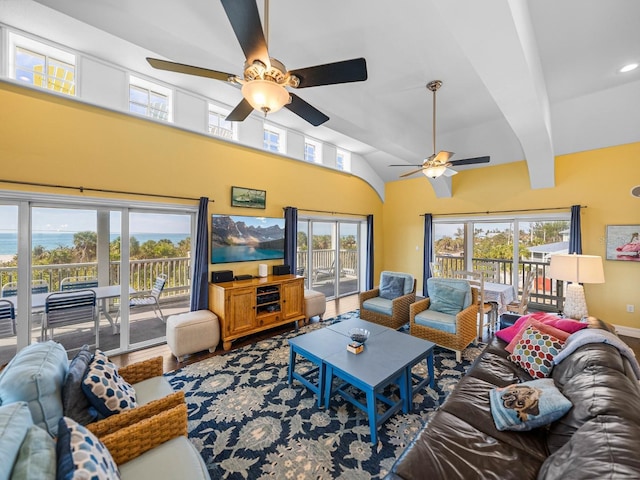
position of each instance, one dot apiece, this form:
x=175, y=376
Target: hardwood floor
x=334, y=307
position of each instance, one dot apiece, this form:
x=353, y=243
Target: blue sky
x=75, y=220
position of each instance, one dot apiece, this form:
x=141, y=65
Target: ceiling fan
x=265, y=79
x=438, y=164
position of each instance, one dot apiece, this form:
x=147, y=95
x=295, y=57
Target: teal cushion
x=447, y=299
x=80, y=454
x=408, y=280
x=107, y=391
x=437, y=320
x=379, y=305
x=15, y=420
x=35, y=375
x=435, y=284
x=527, y=405
x=391, y=287
x=37, y=456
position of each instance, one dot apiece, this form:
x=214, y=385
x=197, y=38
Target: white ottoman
x=315, y=303
x=192, y=332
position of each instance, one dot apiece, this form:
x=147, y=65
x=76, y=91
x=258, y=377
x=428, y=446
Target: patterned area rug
x=248, y=423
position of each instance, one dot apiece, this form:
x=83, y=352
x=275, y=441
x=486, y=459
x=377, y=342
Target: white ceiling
x=523, y=80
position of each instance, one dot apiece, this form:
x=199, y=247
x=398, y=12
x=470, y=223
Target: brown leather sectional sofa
x=599, y=438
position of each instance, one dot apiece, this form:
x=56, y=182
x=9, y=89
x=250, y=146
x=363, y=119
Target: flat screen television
x=236, y=238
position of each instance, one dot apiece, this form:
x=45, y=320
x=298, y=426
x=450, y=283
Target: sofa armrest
x=138, y=438
x=115, y=423
x=137, y=372
x=368, y=294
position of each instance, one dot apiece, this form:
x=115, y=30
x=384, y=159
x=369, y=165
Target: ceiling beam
x=498, y=39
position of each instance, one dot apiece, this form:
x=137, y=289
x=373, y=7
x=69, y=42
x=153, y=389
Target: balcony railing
x=546, y=294
x=142, y=274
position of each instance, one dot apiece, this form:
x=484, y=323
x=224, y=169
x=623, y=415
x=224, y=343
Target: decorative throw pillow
x=527, y=405
x=107, y=391
x=81, y=455
x=75, y=403
x=508, y=333
x=535, y=352
x=391, y=287
x=448, y=299
x=15, y=420
x=37, y=456
x=543, y=327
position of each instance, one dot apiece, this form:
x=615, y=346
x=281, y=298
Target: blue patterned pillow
x=81, y=455
x=527, y=405
x=107, y=391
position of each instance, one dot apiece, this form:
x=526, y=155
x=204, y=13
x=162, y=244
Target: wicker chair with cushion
x=388, y=304
x=449, y=316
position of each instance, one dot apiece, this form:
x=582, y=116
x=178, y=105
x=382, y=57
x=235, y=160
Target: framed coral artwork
x=623, y=243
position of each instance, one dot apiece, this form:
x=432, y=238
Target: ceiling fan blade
x=306, y=111
x=347, y=71
x=245, y=21
x=242, y=111
x=406, y=165
x=188, y=69
x=471, y=161
x=443, y=156
x=411, y=172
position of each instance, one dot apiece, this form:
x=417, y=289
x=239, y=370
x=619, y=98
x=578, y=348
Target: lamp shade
x=577, y=268
x=265, y=95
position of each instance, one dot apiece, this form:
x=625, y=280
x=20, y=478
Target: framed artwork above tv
x=248, y=197
x=238, y=238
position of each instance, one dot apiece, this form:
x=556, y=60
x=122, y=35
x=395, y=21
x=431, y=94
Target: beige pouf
x=315, y=303
x=192, y=332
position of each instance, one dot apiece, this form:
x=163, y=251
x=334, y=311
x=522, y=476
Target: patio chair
x=151, y=299
x=448, y=317
x=388, y=304
x=78, y=283
x=70, y=308
x=521, y=306
x=321, y=273
x=37, y=286
x=7, y=319
x=486, y=309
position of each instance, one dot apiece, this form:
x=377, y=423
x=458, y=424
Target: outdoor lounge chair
x=70, y=308
x=7, y=319
x=151, y=299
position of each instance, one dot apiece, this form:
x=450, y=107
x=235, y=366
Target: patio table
x=500, y=293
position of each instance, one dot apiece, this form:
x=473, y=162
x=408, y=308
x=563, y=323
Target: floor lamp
x=576, y=269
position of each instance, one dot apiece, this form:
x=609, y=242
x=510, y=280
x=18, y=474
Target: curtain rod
x=101, y=190
x=332, y=213
x=503, y=211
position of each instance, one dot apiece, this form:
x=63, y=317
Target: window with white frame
x=42, y=65
x=343, y=160
x=218, y=125
x=149, y=99
x=274, y=139
x=312, y=151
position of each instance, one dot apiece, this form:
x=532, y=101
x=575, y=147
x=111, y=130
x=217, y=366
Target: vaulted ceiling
x=523, y=80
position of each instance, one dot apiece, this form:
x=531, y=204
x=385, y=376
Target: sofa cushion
x=160, y=462
x=535, y=352
x=438, y=320
x=15, y=421
x=528, y=405
x=379, y=305
x=81, y=455
x=75, y=403
x=37, y=456
x=542, y=327
x=391, y=286
x=35, y=375
x=107, y=391
x=408, y=280
x=565, y=324
x=152, y=389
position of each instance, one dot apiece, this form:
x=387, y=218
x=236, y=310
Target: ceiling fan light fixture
x=434, y=171
x=265, y=95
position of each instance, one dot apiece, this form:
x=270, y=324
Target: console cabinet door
x=240, y=310
x=293, y=298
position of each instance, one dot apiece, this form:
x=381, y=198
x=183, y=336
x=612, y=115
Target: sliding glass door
x=329, y=255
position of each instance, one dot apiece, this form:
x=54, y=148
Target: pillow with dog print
x=527, y=405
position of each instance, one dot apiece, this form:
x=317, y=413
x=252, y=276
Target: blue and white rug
x=248, y=423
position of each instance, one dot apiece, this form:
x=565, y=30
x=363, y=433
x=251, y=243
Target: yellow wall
x=600, y=179
x=58, y=141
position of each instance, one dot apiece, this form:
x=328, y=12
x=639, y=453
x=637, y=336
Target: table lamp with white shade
x=576, y=269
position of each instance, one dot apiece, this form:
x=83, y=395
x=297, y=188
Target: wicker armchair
x=464, y=325
x=390, y=313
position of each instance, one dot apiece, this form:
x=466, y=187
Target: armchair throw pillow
x=527, y=405
x=75, y=403
x=447, y=299
x=107, y=391
x=391, y=287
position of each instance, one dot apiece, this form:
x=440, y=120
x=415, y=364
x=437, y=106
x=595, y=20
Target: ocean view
x=52, y=240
